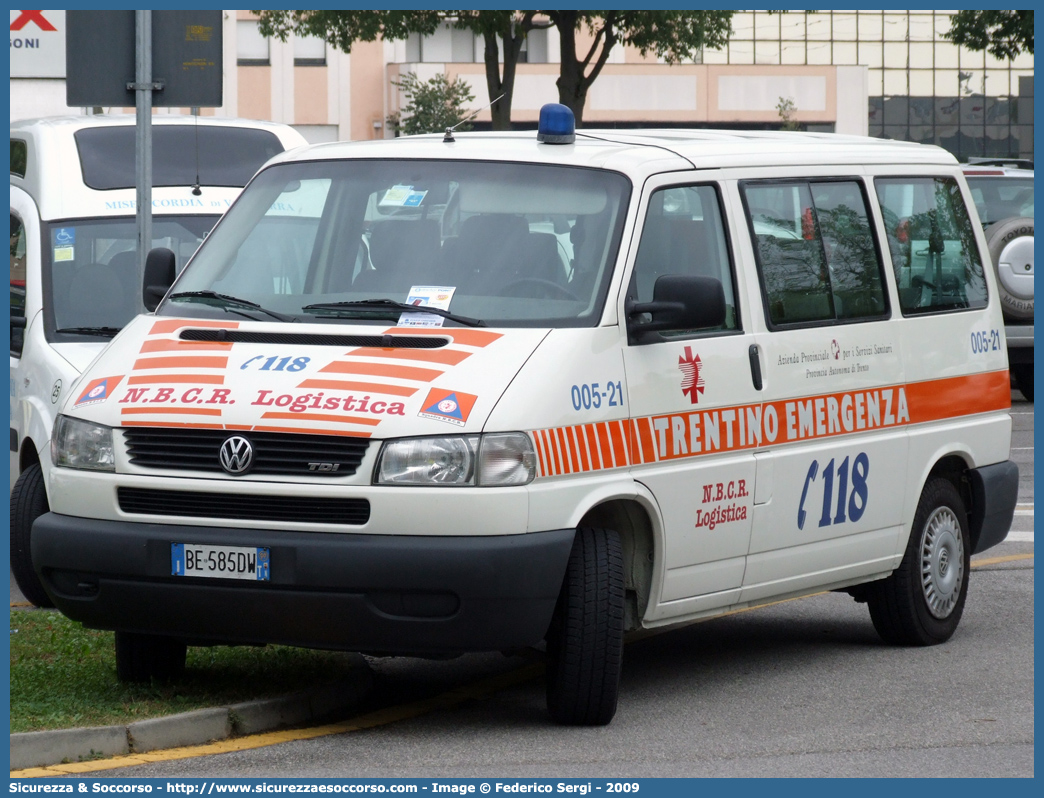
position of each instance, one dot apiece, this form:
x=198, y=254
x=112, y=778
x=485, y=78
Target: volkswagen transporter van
x=470, y=393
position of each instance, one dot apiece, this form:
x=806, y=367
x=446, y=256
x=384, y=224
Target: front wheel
x=585, y=639
x=28, y=502
x=921, y=603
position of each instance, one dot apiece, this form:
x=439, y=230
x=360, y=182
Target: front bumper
x=394, y=594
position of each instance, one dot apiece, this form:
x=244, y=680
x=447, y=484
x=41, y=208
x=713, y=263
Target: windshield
x=998, y=198
x=94, y=280
x=496, y=243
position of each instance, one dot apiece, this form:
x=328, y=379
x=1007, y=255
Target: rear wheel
x=146, y=658
x=585, y=639
x=921, y=603
x=28, y=502
x=1023, y=373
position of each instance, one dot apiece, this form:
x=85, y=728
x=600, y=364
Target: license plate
x=219, y=562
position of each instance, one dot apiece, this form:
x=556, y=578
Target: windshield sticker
x=98, y=391
x=63, y=253
x=431, y=296
x=451, y=406
x=402, y=197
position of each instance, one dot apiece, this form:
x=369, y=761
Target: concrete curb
x=40, y=749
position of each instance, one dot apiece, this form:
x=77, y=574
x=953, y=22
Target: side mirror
x=680, y=302
x=18, y=325
x=160, y=271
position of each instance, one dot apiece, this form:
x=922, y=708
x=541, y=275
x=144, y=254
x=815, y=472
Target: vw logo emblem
x=236, y=455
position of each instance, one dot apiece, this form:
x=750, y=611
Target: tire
x=585, y=639
x=1023, y=373
x=146, y=658
x=1010, y=242
x=28, y=502
x=921, y=603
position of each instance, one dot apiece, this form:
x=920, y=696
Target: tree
x=500, y=30
x=787, y=108
x=1003, y=34
x=670, y=35
x=432, y=106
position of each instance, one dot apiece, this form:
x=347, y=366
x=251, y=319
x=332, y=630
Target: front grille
x=196, y=504
x=316, y=339
x=282, y=453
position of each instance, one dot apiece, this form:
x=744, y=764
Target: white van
x=75, y=277
x=448, y=394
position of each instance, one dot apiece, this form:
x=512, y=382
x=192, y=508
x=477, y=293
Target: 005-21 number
x=591, y=395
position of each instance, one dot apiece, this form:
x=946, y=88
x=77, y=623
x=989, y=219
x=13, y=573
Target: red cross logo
x=32, y=16
x=692, y=380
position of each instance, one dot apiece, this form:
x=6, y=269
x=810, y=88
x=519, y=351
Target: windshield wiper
x=233, y=300
x=391, y=304
x=105, y=332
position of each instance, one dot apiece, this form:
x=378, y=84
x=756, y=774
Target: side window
x=816, y=253
x=17, y=284
x=684, y=234
x=932, y=243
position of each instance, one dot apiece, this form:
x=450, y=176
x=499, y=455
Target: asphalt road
x=801, y=688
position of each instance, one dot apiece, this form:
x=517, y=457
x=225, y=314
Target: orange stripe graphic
x=592, y=445
x=187, y=362
x=172, y=325
x=619, y=444
x=958, y=396
x=173, y=345
x=479, y=338
x=559, y=468
x=188, y=411
x=449, y=357
x=364, y=387
x=382, y=370
x=369, y=422
x=551, y=467
x=163, y=379
x=691, y=433
x=581, y=448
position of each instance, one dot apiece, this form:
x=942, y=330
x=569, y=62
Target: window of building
x=684, y=234
x=817, y=257
x=932, y=244
x=309, y=51
x=252, y=49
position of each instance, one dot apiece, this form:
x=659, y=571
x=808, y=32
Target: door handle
x=755, y=366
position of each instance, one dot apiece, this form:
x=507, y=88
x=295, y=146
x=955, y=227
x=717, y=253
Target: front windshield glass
x=499, y=243
x=999, y=198
x=94, y=281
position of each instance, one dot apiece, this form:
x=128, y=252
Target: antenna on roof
x=448, y=138
x=196, y=191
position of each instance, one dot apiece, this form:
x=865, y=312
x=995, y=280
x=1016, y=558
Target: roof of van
x=644, y=150
x=78, y=122
x=79, y=166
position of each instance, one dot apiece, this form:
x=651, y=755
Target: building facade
x=882, y=73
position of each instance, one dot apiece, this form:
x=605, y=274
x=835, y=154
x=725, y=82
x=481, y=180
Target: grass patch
x=64, y=676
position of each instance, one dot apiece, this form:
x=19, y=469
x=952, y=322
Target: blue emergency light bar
x=557, y=124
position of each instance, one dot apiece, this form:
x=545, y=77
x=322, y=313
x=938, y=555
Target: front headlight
x=82, y=444
x=458, y=460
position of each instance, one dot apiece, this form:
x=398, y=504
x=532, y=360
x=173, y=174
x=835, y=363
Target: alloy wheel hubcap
x=942, y=562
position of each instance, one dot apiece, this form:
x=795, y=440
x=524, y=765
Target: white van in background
x=1002, y=189
x=75, y=278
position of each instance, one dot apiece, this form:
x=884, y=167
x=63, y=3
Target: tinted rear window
x=18, y=157
x=227, y=156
